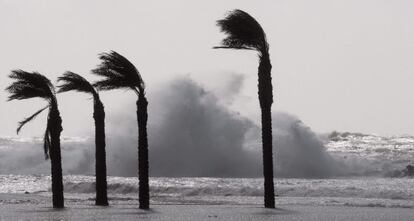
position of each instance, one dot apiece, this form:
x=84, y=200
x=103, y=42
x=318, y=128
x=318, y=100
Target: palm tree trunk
x=266, y=100
x=100, y=154
x=55, y=128
x=142, y=116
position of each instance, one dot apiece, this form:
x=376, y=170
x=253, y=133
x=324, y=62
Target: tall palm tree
x=244, y=32
x=119, y=73
x=34, y=85
x=75, y=82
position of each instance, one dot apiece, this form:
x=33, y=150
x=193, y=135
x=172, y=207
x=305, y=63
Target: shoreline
x=37, y=207
x=202, y=212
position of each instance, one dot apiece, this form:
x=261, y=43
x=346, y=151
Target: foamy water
x=367, y=173
x=375, y=192
x=371, y=155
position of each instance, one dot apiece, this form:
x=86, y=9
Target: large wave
x=193, y=133
x=299, y=151
x=196, y=135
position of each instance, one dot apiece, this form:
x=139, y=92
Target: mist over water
x=191, y=133
x=196, y=135
x=25, y=156
x=199, y=137
x=299, y=151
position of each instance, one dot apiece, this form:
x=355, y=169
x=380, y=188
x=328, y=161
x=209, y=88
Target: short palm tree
x=119, y=73
x=75, y=82
x=244, y=32
x=34, y=85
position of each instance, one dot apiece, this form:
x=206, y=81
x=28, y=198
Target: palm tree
x=119, y=73
x=75, y=82
x=34, y=85
x=244, y=32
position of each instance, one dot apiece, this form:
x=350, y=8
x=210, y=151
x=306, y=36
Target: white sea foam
x=375, y=192
x=371, y=155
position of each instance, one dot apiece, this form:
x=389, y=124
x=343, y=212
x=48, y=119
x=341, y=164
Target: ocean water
x=357, y=191
x=371, y=155
x=368, y=173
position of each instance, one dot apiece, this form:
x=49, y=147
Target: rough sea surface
x=358, y=191
x=368, y=174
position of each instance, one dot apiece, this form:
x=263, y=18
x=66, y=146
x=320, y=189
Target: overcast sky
x=337, y=65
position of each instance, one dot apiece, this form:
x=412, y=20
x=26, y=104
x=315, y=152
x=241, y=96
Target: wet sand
x=24, y=207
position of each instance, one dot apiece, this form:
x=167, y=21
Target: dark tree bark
x=100, y=154
x=142, y=116
x=55, y=128
x=266, y=100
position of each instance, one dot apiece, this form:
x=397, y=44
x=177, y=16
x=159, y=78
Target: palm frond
x=118, y=72
x=46, y=143
x=29, y=85
x=28, y=119
x=112, y=83
x=72, y=81
x=243, y=32
x=227, y=47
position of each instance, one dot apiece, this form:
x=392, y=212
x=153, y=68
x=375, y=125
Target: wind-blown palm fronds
x=28, y=119
x=119, y=72
x=46, y=143
x=31, y=85
x=46, y=137
x=74, y=82
x=244, y=32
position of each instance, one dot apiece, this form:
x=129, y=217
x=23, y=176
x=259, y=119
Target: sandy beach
x=35, y=207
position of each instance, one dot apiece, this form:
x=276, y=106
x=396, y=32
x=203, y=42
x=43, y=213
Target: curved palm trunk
x=100, y=154
x=266, y=100
x=142, y=116
x=55, y=128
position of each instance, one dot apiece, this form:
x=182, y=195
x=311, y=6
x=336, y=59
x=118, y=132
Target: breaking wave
x=363, y=192
x=383, y=188
x=193, y=134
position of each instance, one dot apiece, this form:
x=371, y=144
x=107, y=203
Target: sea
x=376, y=177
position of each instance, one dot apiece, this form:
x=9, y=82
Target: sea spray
x=193, y=133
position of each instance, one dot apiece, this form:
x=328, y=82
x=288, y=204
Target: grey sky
x=338, y=65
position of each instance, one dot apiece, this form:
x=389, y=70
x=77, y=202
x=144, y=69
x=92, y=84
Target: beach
x=35, y=207
x=28, y=197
